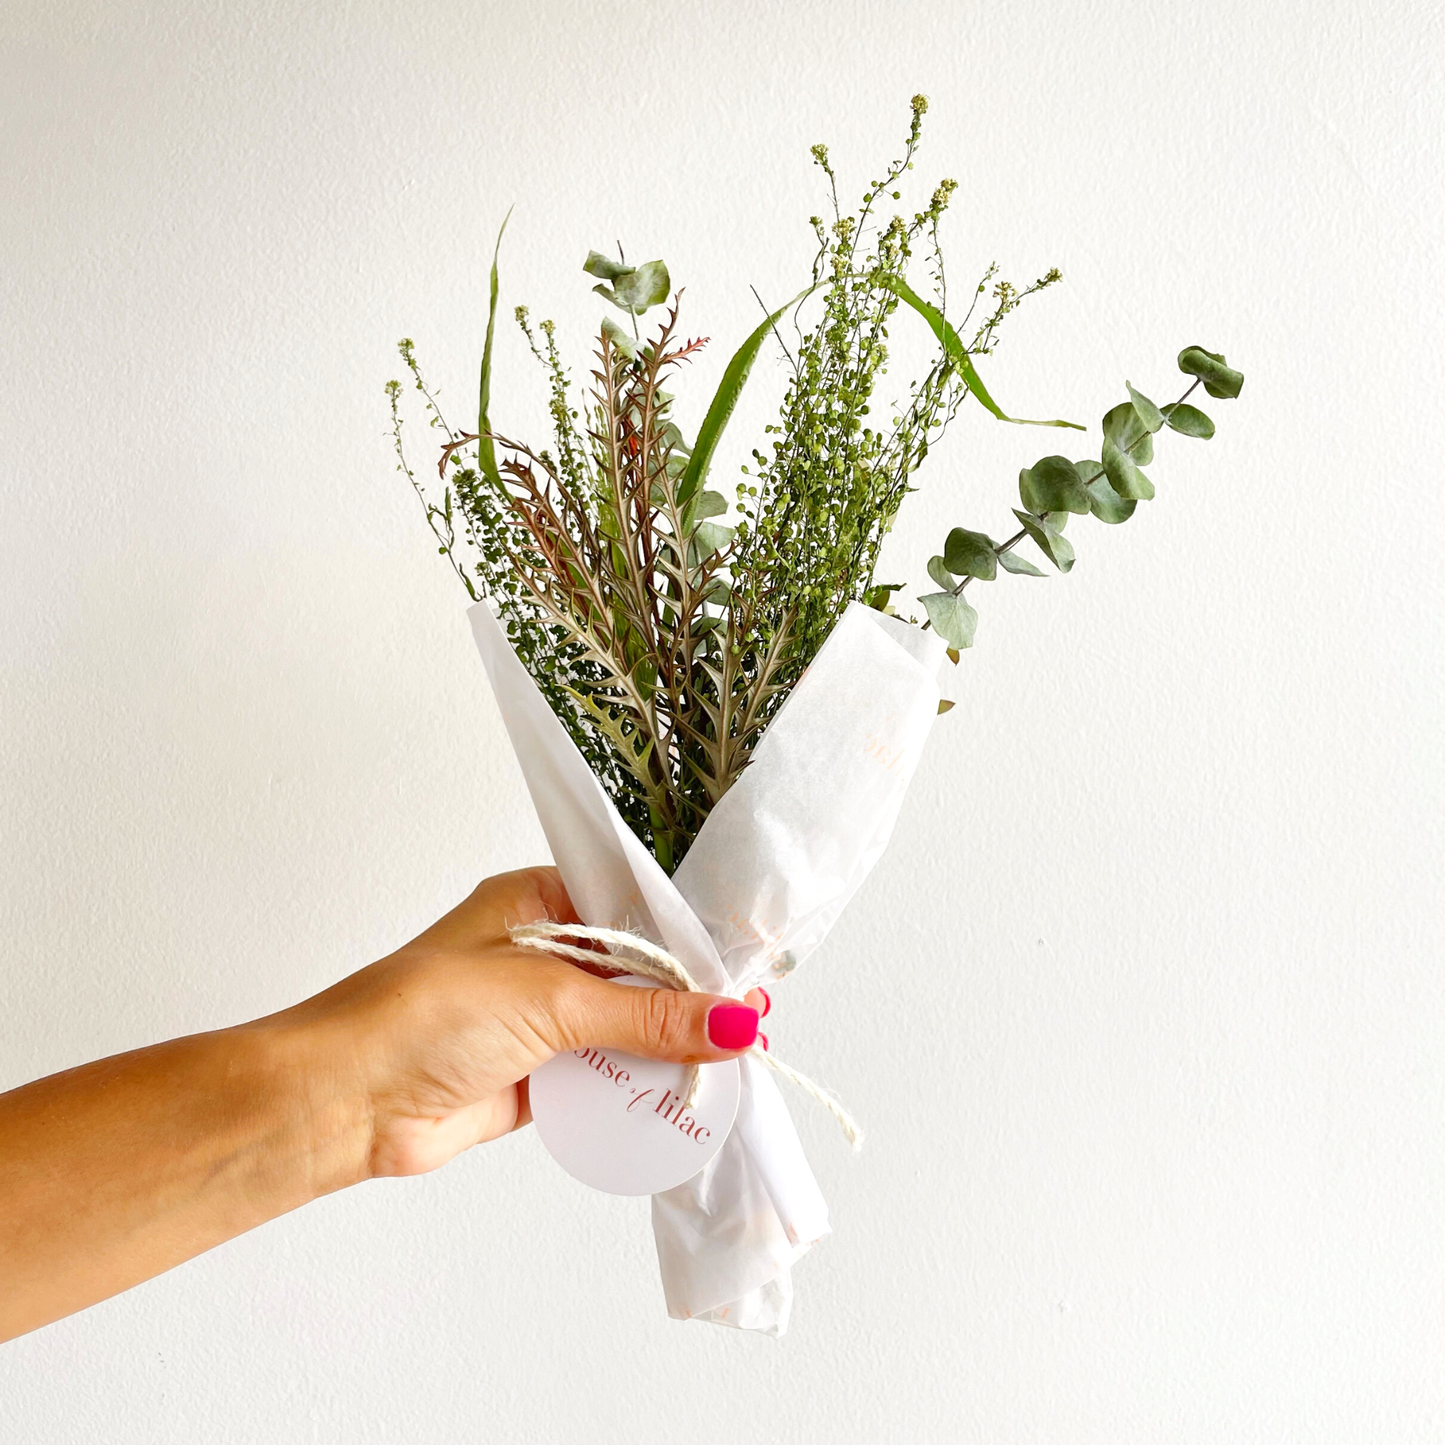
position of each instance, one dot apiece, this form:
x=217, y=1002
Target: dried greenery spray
x=666, y=622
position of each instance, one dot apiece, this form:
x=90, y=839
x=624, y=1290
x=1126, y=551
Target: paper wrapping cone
x=765, y=879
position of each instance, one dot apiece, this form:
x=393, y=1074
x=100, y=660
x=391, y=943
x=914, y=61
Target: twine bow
x=630, y=953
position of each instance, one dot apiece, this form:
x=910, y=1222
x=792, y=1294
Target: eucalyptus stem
x=1044, y=516
x=1054, y=486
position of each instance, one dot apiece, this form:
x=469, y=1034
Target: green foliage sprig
x=665, y=633
x=1054, y=487
x=823, y=498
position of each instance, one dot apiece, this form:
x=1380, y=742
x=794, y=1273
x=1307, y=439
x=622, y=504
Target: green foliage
x=1051, y=541
x=666, y=625
x=1109, y=489
x=1209, y=367
x=952, y=616
x=970, y=554
x=634, y=289
x=1128, y=442
x=1104, y=502
x=725, y=399
x=818, y=503
x=1053, y=484
x=1188, y=420
x=1149, y=415
x=486, y=451
x=1012, y=562
x=957, y=353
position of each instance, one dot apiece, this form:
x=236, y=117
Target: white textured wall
x=1145, y=1005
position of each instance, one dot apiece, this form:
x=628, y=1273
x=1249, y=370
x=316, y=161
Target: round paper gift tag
x=618, y=1122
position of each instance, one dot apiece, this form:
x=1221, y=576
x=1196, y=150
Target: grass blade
x=725, y=400
x=954, y=349
x=486, y=452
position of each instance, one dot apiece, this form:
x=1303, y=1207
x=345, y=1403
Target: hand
x=438, y=1038
x=119, y=1169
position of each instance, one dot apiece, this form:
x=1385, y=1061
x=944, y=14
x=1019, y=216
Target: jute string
x=630, y=953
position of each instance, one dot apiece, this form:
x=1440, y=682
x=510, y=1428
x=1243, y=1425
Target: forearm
x=115, y=1171
x=118, y=1170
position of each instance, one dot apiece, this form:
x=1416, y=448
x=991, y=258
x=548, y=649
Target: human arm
x=120, y=1169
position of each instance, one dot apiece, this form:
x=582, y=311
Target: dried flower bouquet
x=665, y=621
x=644, y=628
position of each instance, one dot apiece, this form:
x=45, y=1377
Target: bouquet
x=716, y=704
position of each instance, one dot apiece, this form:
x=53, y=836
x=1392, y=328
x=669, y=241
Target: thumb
x=655, y=1023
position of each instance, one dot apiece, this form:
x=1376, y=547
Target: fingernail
x=732, y=1026
x=767, y=1002
x=763, y=1040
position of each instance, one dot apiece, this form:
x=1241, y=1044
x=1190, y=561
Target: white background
x=1144, y=1006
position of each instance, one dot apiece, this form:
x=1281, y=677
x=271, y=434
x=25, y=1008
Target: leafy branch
x=1054, y=487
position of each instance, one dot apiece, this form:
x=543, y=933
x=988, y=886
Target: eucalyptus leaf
x=1149, y=414
x=709, y=504
x=938, y=570
x=1125, y=428
x=952, y=618
x=1053, y=484
x=618, y=337
x=604, y=267
x=1012, y=562
x=709, y=537
x=957, y=352
x=648, y=285
x=1188, y=420
x=970, y=554
x=1219, y=380
x=1105, y=503
x=1124, y=477
x=1050, y=541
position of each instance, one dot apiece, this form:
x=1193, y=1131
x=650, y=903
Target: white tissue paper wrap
x=772, y=868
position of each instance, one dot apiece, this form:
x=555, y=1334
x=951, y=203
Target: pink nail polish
x=763, y=1040
x=732, y=1026
x=767, y=1002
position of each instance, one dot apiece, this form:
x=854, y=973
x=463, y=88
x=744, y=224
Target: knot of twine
x=630, y=953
